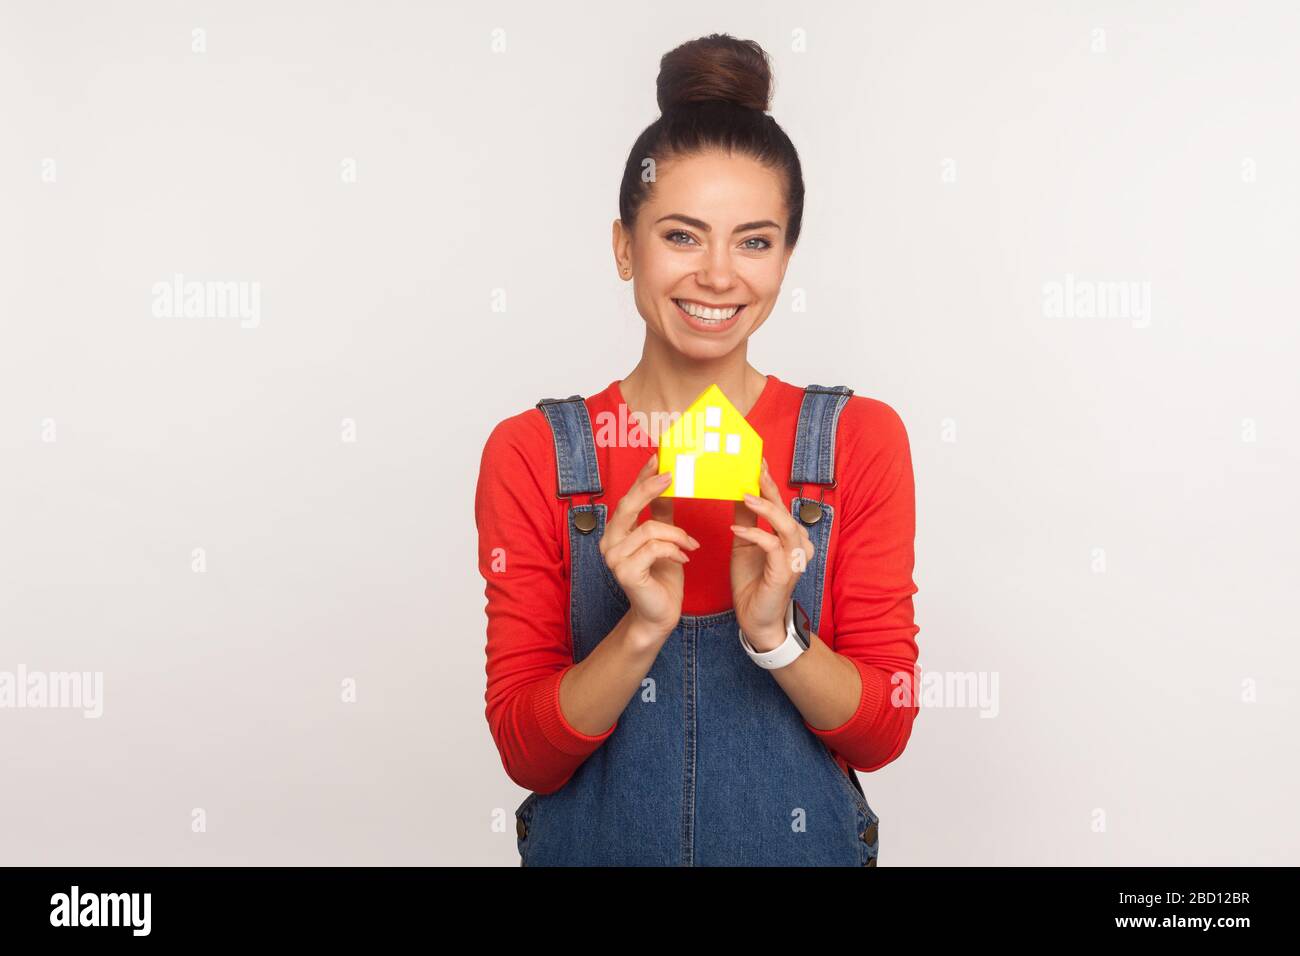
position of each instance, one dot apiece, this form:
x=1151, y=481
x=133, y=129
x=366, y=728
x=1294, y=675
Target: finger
x=623, y=521
x=649, y=468
x=767, y=484
x=744, y=516
x=778, y=518
x=653, y=529
x=805, y=548
x=778, y=569
x=661, y=509
x=764, y=539
x=778, y=515
x=637, y=567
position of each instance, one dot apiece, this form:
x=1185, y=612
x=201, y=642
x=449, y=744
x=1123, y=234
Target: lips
x=703, y=325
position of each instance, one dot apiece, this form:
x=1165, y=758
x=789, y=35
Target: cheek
x=764, y=278
x=659, y=270
x=657, y=288
x=654, y=305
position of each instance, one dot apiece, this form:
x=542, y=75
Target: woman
x=646, y=675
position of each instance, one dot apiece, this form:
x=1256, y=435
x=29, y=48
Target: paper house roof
x=711, y=451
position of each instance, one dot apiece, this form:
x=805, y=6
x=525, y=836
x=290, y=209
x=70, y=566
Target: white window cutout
x=733, y=444
x=684, y=476
x=711, y=441
x=712, y=416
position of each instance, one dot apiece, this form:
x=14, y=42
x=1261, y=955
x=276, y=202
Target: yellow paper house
x=711, y=451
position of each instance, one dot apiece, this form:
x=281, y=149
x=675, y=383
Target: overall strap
x=575, y=446
x=814, y=442
x=814, y=464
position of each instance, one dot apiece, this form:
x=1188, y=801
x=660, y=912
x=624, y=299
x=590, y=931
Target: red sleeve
x=871, y=582
x=528, y=649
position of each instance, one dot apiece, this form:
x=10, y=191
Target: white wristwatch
x=797, y=640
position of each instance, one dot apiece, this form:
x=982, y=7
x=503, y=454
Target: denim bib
x=711, y=764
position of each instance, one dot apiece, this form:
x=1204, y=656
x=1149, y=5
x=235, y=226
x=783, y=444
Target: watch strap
x=785, y=653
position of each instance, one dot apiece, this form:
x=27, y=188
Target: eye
x=766, y=243
x=678, y=232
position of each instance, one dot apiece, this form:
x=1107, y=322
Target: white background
x=1124, y=156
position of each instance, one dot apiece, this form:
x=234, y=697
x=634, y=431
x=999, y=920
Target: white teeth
x=709, y=316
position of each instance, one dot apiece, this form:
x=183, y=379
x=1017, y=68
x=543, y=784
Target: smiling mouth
x=708, y=317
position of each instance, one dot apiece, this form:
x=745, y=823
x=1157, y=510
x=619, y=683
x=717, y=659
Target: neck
x=666, y=381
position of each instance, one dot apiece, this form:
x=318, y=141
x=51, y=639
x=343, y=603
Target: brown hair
x=714, y=93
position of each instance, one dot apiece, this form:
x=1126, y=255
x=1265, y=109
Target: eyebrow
x=705, y=227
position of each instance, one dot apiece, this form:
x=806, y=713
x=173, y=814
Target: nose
x=717, y=272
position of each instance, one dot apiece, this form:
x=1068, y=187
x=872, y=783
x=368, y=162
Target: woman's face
x=711, y=236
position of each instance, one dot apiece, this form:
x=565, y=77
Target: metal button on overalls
x=810, y=512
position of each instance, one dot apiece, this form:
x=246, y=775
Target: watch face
x=802, y=625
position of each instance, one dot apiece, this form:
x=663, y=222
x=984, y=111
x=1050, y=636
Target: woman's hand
x=647, y=559
x=766, y=567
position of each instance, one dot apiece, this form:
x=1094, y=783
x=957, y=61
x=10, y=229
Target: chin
x=699, y=347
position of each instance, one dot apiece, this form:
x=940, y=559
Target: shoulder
x=873, y=457
x=518, y=462
x=529, y=432
x=866, y=428
x=514, y=498
x=515, y=493
x=522, y=446
x=869, y=426
x=521, y=435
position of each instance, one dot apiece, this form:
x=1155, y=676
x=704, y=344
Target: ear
x=622, y=243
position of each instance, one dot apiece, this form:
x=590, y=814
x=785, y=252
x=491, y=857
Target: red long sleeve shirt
x=523, y=547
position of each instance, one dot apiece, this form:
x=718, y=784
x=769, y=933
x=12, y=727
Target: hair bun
x=717, y=67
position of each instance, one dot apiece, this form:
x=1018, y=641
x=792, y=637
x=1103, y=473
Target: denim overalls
x=711, y=764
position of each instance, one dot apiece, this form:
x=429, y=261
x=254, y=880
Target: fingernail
x=664, y=475
x=694, y=543
x=749, y=497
